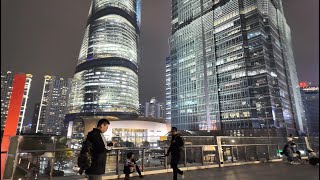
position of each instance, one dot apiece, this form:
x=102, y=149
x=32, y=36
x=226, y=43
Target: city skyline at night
x=55, y=40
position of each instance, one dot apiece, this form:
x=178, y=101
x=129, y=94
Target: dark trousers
x=127, y=170
x=95, y=177
x=174, y=165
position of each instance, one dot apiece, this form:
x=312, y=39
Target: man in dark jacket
x=175, y=149
x=99, y=150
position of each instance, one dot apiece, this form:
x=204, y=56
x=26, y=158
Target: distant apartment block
x=53, y=105
x=7, y=79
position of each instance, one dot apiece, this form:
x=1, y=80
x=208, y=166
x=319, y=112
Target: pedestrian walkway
x=266, y=171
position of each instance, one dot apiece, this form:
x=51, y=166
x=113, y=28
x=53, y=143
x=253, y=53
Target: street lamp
x=52, y=159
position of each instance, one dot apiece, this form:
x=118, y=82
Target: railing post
x=219, y=149
x=166, y=158
x=117, y=163
x=232, y=154
x=143, y=155
x=268, y=150
x=278, y=151
x=52, y=165
x=245, y=153
x=202, y=154
x=237, y=151
x=53, y=157
x=185, y=156
x=307, y=142
x=257, y=154
x=15, y=162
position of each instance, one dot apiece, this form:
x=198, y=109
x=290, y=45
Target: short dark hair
x=102, y=121
x=174, y=129
x=129, y=155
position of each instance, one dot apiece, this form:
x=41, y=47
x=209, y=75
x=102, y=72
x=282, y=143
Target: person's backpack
x=85, y=157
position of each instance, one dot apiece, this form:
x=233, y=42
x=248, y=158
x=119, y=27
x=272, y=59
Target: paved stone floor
x=268, y=171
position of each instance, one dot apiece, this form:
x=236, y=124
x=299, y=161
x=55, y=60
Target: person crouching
x=130, y=166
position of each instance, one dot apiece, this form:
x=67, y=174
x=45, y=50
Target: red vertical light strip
x=13, y=115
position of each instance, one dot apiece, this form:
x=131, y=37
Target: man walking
x=99, y=150
x=175, y=149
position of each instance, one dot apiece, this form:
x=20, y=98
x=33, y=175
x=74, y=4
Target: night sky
x=43, y=37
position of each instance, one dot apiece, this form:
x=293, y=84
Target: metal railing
x=39, y=157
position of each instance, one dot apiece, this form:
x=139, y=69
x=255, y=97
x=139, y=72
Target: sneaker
x=140, y=176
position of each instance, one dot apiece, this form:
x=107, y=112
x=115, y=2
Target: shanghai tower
x=105, y=82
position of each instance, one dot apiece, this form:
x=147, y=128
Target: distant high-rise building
x=53, y=105
x=154, y=109
x=168, y=89
x=35, y=116
x=310, y=96
x=232, y=68
x=7, y=79
x=141, y=110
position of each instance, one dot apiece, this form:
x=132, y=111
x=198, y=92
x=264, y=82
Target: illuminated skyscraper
x=106, y=77
x=168, y=90
x=154, y=109
x=310, y=97
x=7, y=81
x=53, y=105
x=232, y=68
x=35, y=116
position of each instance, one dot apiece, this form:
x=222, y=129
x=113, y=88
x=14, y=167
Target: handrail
x=117, y=148
x=244, y=154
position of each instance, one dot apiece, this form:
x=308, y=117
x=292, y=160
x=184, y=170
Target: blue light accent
x=139, y=12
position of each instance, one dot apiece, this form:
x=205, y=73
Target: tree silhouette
x=64, y=153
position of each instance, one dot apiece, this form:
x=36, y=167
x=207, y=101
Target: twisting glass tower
x=106, y=77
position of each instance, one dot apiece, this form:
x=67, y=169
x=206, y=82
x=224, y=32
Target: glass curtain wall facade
x=168, y=90
x=106, y=78
x=6, y=91
x=232, y=68
x=310, y=96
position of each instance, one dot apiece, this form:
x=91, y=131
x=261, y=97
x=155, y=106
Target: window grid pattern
x=240, y=56
x=104, y=89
